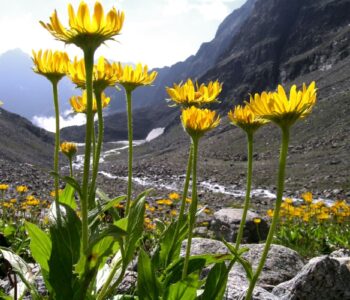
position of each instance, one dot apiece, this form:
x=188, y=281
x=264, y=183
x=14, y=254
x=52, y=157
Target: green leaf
x=215, y=285
x=40, y=245
x=70, y=180
x=147, y=285
x=95, y=213
x=167, y=252
x=196, y=264
x=20, y=267
x=9, y=230
x=238, y=256
x=64, y=255
x=135, y=226
x=67, y=197
x=184, y=290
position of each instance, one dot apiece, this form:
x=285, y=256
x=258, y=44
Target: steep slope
x=280, y=41
x=21, y=141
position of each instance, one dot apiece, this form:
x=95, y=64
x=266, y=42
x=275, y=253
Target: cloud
x=67, y=119
x=209, y=9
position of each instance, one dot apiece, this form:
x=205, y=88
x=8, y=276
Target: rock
x=323, y=278
x=340, y=253
x=226, y=221
x=282, y=264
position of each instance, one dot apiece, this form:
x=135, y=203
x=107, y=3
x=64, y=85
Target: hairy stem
x=57, y=148
x=248, y=189
x=280, y=188
x=130, y=137
x=89, y=63
x=98, y=148
x=193, y=207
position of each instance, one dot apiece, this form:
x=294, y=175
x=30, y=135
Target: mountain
x=26, y=93
x=22, y=142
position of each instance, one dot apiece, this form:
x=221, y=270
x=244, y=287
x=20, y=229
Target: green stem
x=248, y=189
x=57, y=148
x=98, y=148
x=89, y=63
x=71, y=174
x=193, y=207
x=93, y=137
x=280, y=188
x=183, y=203
x=128, y=93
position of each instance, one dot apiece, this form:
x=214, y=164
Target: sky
x=156, y=32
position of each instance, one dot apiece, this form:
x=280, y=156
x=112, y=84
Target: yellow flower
x=208, y=211
x=270, y=213
x=79, y=103
x=277, y=108
x=198, y=121
x=4, y=187
x=307, y=196
x=188, y=200
x=164, y=202
x=190, y=94
x=104, y=74
x=243, y=116
x=130, y=77
x=174, y=196
x=21, y=189
x=68, y=148
x=288, y=200
x=83, y=30
x=257, y=220
x=13, y=200
x=173, y=213
x=52, y=65
x=53, y=193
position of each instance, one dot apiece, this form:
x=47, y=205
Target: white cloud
x=66, y=119
x=209, y=9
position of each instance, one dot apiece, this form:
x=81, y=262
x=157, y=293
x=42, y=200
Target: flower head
x=174, y=196
x=52, y=65
x=104, y=74
x=198, y=121
x=4, y=187
x=244, y=117
x=130, y=77
x=190, y=94
x=68, y=149
x=284, y=111
x=307, y=196
x=21, y=189
x=79, y=103
x=257, y=220
x=84, y=31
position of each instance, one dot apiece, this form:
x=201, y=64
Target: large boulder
x=323, y=278
x=282, y=264
x=226, y=222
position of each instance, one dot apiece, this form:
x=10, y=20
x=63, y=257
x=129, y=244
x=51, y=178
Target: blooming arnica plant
x=79, y=103
x=21, y=189
x=85, y=30
x=68, y=148
x=198, y=121
x=51, y=64
x=104, y=74
x=192, y=94
x=245, y=118
x=131, y=77
x=280, y=109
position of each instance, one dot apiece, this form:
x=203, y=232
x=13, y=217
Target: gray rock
x=340, y=253
x=323, y=278
x=282, y=264
x=226, y=221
